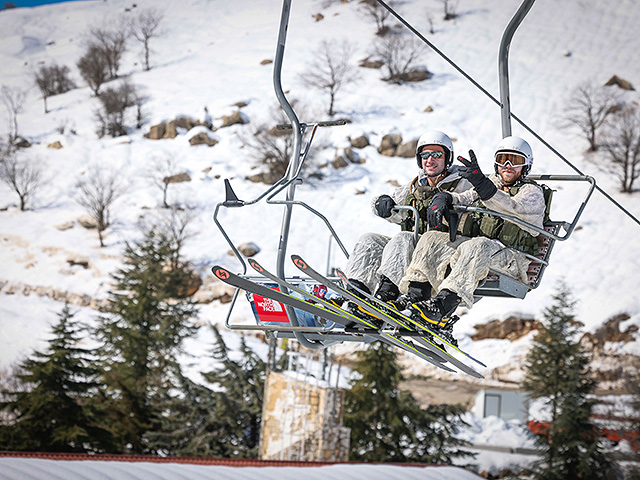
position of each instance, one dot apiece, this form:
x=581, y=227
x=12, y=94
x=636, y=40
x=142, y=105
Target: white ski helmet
x=435, y=137
x=516, y=145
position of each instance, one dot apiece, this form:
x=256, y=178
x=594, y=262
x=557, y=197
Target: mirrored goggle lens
x=513, y=158
x=436, y=155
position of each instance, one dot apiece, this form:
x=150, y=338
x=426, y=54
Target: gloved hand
x=471, y=171
x=439, y=208
x=384, y=205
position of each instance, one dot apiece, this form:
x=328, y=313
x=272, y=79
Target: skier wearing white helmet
x=378, y=262
x=484, y=238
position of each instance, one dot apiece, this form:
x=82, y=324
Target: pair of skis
x=422, y=342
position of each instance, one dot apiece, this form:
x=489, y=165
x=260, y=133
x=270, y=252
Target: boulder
x=352, y=156
x=57, y=145
x=202, y=139
x=233, y=119
x=389, y=143
x=367, y=63
x=359, y=142
x=65, y=226
x=170, y=131
x=87, y=221
x=318, y=17
x=22, y=143
x=177, y=178
x=266, y=62
x=407, y=150
x=429, y=109
x=248, y=249
x=191, y=285
x=512, y=329
x=623, y=84
x=339, y=162
x=80, y=260
x=156, y=132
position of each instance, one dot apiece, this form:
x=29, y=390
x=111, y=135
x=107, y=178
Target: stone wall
x=302, y=422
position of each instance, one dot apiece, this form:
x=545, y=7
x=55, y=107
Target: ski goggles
x=513, y=159
x=434, y=155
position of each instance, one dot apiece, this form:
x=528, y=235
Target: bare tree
x=93, y=68
x=114, y=104
x=450, y=9
x=144, y=27
x=98, y=189
x=272, y=147
x=24, y=176
x=52, y=80
x=13, y=99
x=176, y=224
x=622, y=143
x=378, y=14
x=588, y=108
x=400, y=55
x=160, y=174
x=111, y=40
x=331, y=69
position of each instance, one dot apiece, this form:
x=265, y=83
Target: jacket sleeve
x=528, y=205
x=399, y=196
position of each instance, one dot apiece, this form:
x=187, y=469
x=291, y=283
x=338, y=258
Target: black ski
x=392, y=311
x=301, y=264
x=395, y=339
x=345, y=318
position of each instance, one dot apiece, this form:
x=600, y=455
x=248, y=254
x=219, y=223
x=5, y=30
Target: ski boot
x=387, y=290
x=417, y=291
x=356, y=309
x=436, y=314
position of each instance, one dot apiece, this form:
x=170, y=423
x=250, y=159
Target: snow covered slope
x=211, y=56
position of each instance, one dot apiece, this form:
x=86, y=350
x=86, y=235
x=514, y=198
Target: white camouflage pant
x=375, y=255
x=469, y=259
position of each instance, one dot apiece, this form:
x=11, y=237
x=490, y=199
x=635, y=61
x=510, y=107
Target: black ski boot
x=436, y=314
x=417, y=291
x=387, y=290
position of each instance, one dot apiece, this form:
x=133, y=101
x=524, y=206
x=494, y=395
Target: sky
x=35, y=3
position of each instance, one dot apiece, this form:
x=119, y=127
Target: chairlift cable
x=497, y=102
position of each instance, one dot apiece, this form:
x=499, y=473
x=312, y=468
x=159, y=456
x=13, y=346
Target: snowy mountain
x=211, y=55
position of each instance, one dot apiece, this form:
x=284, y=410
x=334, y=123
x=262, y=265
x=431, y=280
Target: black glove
x=439, y=208
x=471, y=171
x=384, y=205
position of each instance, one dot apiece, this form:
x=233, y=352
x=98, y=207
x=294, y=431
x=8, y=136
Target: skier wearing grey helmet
x=378, y=262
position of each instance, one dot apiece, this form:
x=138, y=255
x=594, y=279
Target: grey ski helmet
x=519, y=146
x=435, y=137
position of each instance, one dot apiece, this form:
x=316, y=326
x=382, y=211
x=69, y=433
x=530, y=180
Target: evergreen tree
x=387, y=424
x=223, y=421
x=141, y=335
x=558, y=372
x=52, y=408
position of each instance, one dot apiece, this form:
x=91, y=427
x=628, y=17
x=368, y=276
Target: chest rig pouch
x=420, y=197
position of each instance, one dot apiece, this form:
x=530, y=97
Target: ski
x=325, y=303
x=392, y=311
x=344, y=318
x=381, y=313
x=395, y=339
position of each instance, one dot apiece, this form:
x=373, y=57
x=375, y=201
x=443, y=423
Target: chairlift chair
x=286, y=323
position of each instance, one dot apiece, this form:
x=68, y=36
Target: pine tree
x=222, y=421
x=387, y=424
x=558, y=371
x=53, y=408
x=141, y=335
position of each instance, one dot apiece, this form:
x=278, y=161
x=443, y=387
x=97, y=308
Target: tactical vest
x=511, y=235
x=420, y=197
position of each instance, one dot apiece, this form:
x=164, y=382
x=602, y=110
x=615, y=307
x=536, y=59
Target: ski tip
x=220, y=272
x=255, y=265
x=299, y=262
